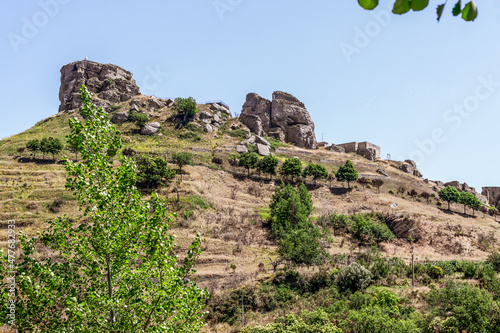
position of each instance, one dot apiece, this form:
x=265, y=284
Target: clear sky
x=417, y=88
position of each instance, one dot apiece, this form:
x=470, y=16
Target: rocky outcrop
x=285, y=118
x=150, y=129
x=120, y=117
x=109, y=83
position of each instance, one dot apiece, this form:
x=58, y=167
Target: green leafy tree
x=152, y=172
x=292, y=167
x=268, y=165
x=33, y=146
x=290, y=209
x=317, y=171
x=449, y=194
x=115, y=270
x=50, y=146
x=182, y=159
x=347, y=173
x=74, y=144
x=469, y=200
x=298, y=238
x=468, y=11
x=185, y=107
x=248, y=161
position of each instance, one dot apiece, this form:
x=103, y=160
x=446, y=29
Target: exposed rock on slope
x=109, y=83
x=285, y=118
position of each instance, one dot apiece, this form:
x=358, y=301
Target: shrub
x=152, y=172
x=238, y=133
x=368, y=186
x=217, y=160
x=129, y=152
x=190, y=136
x=185, y=107
x=436, y=272
x=353, y=277
x=55, y=206
x=391, y=192
x=494, y=260
x=193, y=128
x=292, y=167
x=140, y=119
x=252, y=148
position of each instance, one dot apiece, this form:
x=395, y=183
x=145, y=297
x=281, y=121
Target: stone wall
x=369, y=145
x=350, y=147
x=493, y=194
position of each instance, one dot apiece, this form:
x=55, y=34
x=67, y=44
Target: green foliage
x=140, y=119
x=449, y=194
x=185, y=107
x=252, y=148
x=307, y=322
x=469, y=12
x=248, y=161
x=275, y=143
x=152, y=172
x=241, y=133
x=469, y=200
x=51, y=145
x=298, y=238
x=33, y=146
x=182, y=159
x=116, y=271
x=353, y=277
x=190, y=136
x=268, y=164
x=193, y=128
x=494, y=260
x=471, y=307
x=292, y=167
x=436, y=272
x=290, y=209
x=317, y=171
x=347, y=173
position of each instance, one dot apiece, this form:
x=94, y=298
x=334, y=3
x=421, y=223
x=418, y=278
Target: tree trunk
x=110, y=288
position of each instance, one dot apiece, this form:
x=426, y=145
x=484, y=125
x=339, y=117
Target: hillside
x=230, y=210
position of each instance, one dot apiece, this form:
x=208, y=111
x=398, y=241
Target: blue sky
x=416, y=88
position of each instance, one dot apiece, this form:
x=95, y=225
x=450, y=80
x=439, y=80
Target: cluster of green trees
x=451, y=194
x=153, y=172
x=292, y=168
x=48, y=145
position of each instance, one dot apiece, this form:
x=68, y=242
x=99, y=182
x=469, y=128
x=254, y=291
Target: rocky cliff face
x=109, y=83
x=285, y=118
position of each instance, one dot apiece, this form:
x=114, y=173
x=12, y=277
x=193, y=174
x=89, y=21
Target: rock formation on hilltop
x=285, y=118
x=109, y=83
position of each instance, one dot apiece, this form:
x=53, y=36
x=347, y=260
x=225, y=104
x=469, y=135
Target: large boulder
x=151, y=128
x=285, y=118
x=263, y=149
x=109, y=83
x=120, y=117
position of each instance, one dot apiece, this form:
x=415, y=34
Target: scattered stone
x=207, y=128
x=155, y=104
x=263, y=150
x=235, y=126
x=249, y=141
x=337, y=149
x=393, y=205
x=120, y=117
x=151, y=128
x=216, y=118
x=408, y=168
x=241, y=149
x=412, y=163
x=134, y=108
x=382, y=171
x=261, y=140
x=200, y=150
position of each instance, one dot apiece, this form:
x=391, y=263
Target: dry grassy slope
x=232, y=226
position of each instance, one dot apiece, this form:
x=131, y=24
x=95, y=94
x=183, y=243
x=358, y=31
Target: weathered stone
x=456, y=184
x=151, y=128
x=241, y=149
x=408, y=168
x=120, y=117
x=207, y=128
x=216, y=118
x=134, y=108
x=221, y=108
x=417, y=173
x=263, y=149
x=206, y=121
x=277, y=133
x=261, y=140
x=249, y=141
x=493, y=194
x=253, y=122
x=235, y=126
x=337, y=149
x=206, y=115
x=382, y=171
x=155, y=104
x=368, y=153
x=169, y=102
x=108, y=82
x=412, y=163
